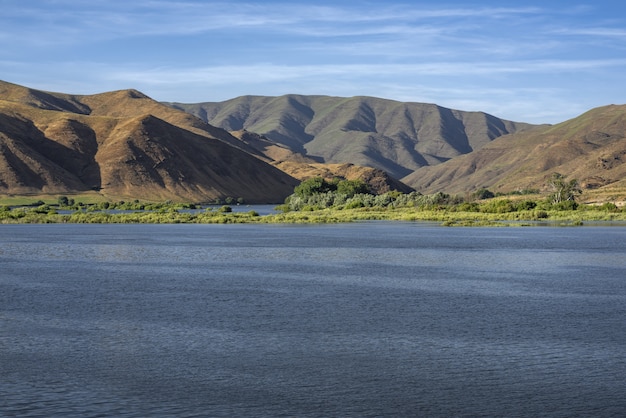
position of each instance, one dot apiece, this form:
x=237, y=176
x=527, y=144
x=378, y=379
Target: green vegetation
x=319, y=201
x=562, y=190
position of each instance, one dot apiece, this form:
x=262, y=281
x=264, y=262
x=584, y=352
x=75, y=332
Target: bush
x=354, y=203
x=609, y=207
x=525, y=205
x=483, y=194
x=565, y=205
x=498, y=206
x=467, y=207
x=42, y=209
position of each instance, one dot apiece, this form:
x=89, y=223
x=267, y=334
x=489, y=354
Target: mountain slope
x=124, y=144
x=392, y=136
x=590, y=148
x=302, y=168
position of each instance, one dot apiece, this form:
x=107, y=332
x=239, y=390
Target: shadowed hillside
x=590, y=148
x=392, y=136
x=124, y=144
x=302, y=168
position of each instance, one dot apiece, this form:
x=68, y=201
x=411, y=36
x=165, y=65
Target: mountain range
x=590, y=148
x=395, y=137
x=125, y=144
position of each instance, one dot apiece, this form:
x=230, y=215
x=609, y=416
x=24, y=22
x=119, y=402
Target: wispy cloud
x=258, y=73
x=606, y=32
x=192, y=50
x=108, y=19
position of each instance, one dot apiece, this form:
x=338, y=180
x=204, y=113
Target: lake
x=365, y=320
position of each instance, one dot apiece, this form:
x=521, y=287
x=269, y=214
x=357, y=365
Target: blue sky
x=541, y=62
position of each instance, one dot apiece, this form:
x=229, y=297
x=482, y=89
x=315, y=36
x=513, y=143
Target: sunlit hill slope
x=590, y=148
x=124, y=144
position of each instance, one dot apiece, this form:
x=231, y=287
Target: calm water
x=372, y=319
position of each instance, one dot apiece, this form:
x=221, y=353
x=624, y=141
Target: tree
x=352, y=187
x=562, y=190
x=313, y=186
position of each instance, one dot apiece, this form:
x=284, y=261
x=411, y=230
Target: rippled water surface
x=368, y=319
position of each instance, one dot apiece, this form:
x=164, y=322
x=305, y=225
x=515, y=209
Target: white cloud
x=260, y=73
x=84, y=22
x=593, y=31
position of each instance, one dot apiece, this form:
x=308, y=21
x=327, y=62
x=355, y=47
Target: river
x=364, y=319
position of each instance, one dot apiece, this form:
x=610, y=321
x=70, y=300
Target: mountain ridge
x=124, y=143
x=590, y=148
x=396, y=137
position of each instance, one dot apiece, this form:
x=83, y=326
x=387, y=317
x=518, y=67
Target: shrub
x=498, y=206
x=609, y=207
x=467, y=207
x=354, y=203
x=42, y=209
x=525, y=205
x=565, y=205
x=385, y=199
x=483, y=194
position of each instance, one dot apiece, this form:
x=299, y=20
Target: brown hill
x=392, y=136
x=124, y=144
x=302, y=167
x=590, y=148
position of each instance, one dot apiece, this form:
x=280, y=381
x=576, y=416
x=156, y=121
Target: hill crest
x=395, y=137
x=590, y=148
x=124, y=143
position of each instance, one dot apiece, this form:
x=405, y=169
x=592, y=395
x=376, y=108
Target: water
x=370, y=319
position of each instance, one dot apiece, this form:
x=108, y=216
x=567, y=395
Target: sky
x=537, y=62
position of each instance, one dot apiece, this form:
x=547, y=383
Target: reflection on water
x=372, y=319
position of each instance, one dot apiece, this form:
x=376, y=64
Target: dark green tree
x=352, y=187
x=314, y=185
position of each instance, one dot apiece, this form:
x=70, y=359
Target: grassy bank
x=318, y=201
x=443, y=216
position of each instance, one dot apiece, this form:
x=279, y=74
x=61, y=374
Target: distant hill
x=590, y=148
x=302, y=167
x=395, y=137
x=124, y=144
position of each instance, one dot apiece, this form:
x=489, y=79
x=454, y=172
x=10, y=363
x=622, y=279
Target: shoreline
x=526, y=218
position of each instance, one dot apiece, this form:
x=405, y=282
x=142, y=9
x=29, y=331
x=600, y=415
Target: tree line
x=318, y=193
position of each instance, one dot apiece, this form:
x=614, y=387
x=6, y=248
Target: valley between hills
x=125, y=145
